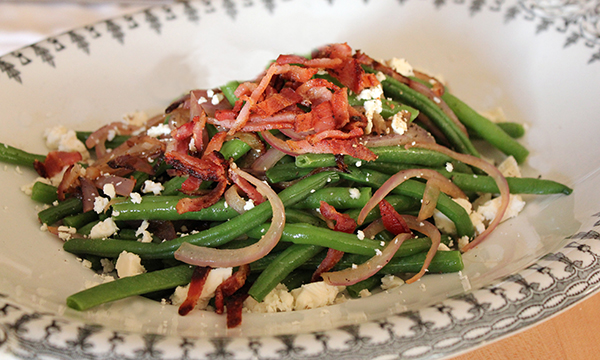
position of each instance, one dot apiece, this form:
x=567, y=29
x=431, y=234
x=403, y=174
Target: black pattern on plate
x=555, y=282
x=578, y=19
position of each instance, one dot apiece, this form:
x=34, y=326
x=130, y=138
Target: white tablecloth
x=22, y=24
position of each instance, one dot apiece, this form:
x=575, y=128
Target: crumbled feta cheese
x=449, y=167
x=358, y=163
x=249, y=205
x=443, y=247
x=62, y=139
x=136, y=198
x=159, y=130
x=354, y=193
x=277, y=300
x=509, y=167
x=137, y=118
x=399, y=124
x=202, y=100
x=100, y=204
x=107, y=265
x=401, y=66
x=380, y=76
x=378, y=252
x=66, y=232
x=490, y=208
x=129, y=264
x=390, y=281
x=143, y=230
x=104, y=229
x=152, y=187
x=210, y=92
x=216, y=99
x=463, y=241
x=314, y=295
x=360, y=235
x=85, y=263
x=109, y=190
x=215, y=277
x=364, y=293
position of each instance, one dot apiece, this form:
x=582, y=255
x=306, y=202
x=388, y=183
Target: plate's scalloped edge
x=552, y=284
x=579, y=20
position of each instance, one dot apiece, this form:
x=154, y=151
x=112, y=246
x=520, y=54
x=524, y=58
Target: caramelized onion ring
x=204, y=256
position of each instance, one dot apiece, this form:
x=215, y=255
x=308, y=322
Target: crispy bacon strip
x=392, y=221
x=55, y=162
x=333, y=146
x=196, y=285
x=342, y=222
x=246, y=187
x=234, y=305
x=277, y=102
x=230, y=286
x=322, y=63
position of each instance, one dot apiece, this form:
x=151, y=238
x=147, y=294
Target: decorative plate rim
x=550, y=285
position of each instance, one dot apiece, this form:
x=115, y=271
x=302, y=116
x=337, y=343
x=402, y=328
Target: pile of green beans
x=305, y=180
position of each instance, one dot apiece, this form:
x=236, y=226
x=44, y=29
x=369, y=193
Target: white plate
x=537, y=60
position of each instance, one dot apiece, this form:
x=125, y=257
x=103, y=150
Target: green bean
x=234, y=148
x=389, y=108
x=486, y=184
x=415, y=189
x=404, y=94
x=286, y=172
x=229, y=89
x=512, y=129
x=297, y=278
x=338, y=197
x=44, y=193
x=368, y=284
x=51, y=215
x=172, y=186
x=385, y=154
x=130, y=286
x=215, y=236
x=12, y=155
x=280, y=268
x=155, y=207
x=401, y=203
x=488, y=130
x=294, y=216
x=443, y=262
x=348, y=243
x=79, y=220
x=392, y=168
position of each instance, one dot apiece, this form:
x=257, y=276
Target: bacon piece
x=190, y=185
x=282, y=120
x=216, y=142
x=55, y=162
x=392, y=221
x=278, y=101
x=342, y=222
x=210, y=167
x=246, y=187
x=334, y=134
x=234, y=305
x=322, y=63
x=230, y=286
x=195, y=290
x=317, y=90
x=333, y=146
x=350, y=73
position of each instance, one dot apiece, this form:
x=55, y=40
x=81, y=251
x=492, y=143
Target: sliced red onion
x=430, y=198
x=267, y=160
x=374, y=228
x=204, y=256
x=490, y=170
x=398, y=179
x=414, y=133
x=277, y=143
x=234, y=200
x=433, y=233
x=352, y=275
